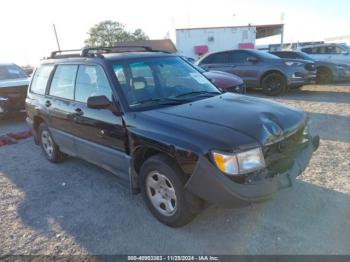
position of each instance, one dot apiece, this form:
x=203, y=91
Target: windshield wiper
x=199, y=93
x=161, y=101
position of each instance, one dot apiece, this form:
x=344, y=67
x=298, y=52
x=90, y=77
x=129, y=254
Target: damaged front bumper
x=208, y=183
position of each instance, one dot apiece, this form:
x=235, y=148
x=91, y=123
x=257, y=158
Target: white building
x=194, y=42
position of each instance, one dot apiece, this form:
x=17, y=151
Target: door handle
x=78, y=112
x=47, y=103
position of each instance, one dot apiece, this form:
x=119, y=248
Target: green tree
x=107, y=33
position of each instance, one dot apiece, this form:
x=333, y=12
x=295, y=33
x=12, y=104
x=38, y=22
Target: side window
x=62, y=84
x=219, y=58
x=325, y=50
x=289, y=55
x=316, y=50
x=307, y=50
x=91, y=81
x=338, y=50
x=239, y=57
x=40, y=78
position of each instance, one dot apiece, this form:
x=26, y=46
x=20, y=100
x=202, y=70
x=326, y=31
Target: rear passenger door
x=58, y=103
x=100, y=133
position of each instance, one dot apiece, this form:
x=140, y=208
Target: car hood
x=260, y=119
x=14, y=82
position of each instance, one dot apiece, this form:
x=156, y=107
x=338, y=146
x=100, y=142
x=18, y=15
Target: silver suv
x=335, y=53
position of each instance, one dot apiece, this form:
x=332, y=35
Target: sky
x=27, y=35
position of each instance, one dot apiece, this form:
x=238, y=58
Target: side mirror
x=252, y=59
x=98, y=102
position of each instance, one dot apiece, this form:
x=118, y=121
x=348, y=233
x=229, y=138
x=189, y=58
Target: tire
x=324, y=76
x=162, y=187
x=49, y=147
x=273, y=84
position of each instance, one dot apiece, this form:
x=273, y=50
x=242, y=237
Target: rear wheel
x=48, y=145
x=274, y=84
x=162, y=186
x=324, y=76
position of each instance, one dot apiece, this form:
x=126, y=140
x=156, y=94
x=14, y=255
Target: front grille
x=310, y=67
x=279, y=157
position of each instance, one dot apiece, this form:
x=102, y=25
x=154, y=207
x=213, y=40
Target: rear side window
x=219, y=58
x=91, y=81
x=239, y=57
x=62, y=84
x=40, y=79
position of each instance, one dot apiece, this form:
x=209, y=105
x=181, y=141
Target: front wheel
x=274, y=84
x=162, y=186
x=324, y=76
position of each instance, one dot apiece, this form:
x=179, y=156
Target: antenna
x=58, y=43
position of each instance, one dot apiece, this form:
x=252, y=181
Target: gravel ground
x=77, y=208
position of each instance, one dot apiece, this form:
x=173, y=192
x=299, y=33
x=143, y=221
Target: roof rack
x=99, y=51
x=61, y=53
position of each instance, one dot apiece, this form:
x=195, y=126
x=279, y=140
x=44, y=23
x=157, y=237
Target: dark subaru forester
x=155, y=121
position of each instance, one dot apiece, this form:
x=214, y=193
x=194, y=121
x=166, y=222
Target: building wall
x=217, y=39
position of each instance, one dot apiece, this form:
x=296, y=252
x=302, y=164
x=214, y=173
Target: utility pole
x=58, y=43
x=282, y=30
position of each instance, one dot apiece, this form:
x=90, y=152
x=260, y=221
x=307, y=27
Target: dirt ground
x=77, y=208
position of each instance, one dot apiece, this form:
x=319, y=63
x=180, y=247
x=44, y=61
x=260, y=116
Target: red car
x=224, y=81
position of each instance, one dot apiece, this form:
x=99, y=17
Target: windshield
x=161, y=81
x=8, y=72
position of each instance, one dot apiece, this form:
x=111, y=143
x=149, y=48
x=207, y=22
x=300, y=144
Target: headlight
x=240, y=163
x=306, y=130
x=293, y=63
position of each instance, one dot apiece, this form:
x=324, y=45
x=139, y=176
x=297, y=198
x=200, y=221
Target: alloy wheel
x=161, y=193
x=47, y=143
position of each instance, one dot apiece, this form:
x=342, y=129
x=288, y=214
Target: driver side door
x=100, y=133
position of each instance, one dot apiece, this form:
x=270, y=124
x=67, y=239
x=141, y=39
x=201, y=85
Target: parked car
x=326, y=71
x=156, y=122
x=334, y=53
x=13, y=89
x=224, y=81
x=260, y=69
